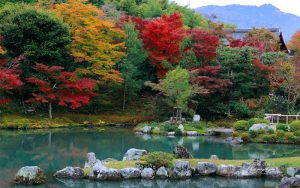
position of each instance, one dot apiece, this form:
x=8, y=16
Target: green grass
x=276, y=162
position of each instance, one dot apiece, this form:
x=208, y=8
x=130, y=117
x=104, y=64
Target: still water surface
x=54, y=149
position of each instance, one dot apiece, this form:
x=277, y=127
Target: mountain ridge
x=249, y=16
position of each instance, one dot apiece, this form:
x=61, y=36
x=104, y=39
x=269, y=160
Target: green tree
x=131, y=69
x=177, y=88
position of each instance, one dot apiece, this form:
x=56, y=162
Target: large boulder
x=255, y=169
x=162, y=173
x=226, y=170
x=196, y=118
x=181, y=152
x=273, y=172
x=134, y=154
x=292, y=171
x=130, y=173
x=108, y=174
x=70, y=173
x=259, y=126
x=287, y=182
x=148, y=173
x=90, y=160
x=206, y=168
x=234, y=140
x=30, y=175
x=146, y=129
x=182, y=170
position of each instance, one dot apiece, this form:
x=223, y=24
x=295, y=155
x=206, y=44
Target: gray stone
x=191, y=133
x=206, y=168
x=259, y=126
x=146, y=129
x=130, y=173
x=214, y=157
x=108, y=174
x=254, y=169
x=70, y=173
x=134, y=154
x=181, y=128
x=182, y=170
x=292, y=171
x=148, y=173
x=170, y=133
x=30, y=175
x=226, y=170
x=273, y=172
x=289, y=182
x=196, y=118
x=162, y=173
x=236, y=140
x=90, y=160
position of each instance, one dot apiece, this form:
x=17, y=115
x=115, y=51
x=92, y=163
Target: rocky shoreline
x=95, y=170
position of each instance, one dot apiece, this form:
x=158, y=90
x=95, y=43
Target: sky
x=289, y=6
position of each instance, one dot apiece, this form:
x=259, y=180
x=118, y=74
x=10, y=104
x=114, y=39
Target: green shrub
x=297, y=133
x=261, y=131
x=295, y=126
x=178, y=132
x=253, y=121
x=280, y=135
x=253, y=134
x=288, y=135
x=157, y=159
x=245, y=137
x=270, y=131
x=235, y=134
x=170, y=128
x=271, y=138
x=156, y=130
x=283, y=127
x=241, y=125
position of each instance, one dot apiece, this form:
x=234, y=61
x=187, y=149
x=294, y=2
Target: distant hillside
x=253, y=16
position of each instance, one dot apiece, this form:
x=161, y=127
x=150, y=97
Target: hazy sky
x=290, y=6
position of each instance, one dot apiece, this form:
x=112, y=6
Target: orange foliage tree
x=96, y=43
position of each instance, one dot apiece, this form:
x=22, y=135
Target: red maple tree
x=63, y=88
x=9, y=77
x=162, y=38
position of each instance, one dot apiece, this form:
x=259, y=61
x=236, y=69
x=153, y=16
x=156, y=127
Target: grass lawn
x=287, y=161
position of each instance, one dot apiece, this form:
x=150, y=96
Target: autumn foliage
x=63, y=88
x=162, y=38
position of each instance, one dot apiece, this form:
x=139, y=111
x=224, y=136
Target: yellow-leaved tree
x=96, y=42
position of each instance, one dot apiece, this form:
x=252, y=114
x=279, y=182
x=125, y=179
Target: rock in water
x=292, y=171
x=148, y=173
x=134, y=154
x=206, y=168
x=226, y=170
x=70, y=173
x=289, y=182
x=273, y=172
x=255, y=169
x=182, y=170
x=146, y=129
x=181, y=152
x=162, y=173
x=130, y=173
x=90, y=160
x=108, y=174
x=30, y=175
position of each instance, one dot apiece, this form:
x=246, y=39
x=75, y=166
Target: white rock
x=292, y=171
x=70, y=173
x=29, y=175
x=162, y=172
x=181, y=128
x=259, y=126
x=90, y=160
x=273, y=172
x=182, y=170
x=196, y=118
x=146, y=129
x=214, y=157
x=226, y=170
x=134, y=154
x=130, y=173
x=147, y=173
x=206, y=168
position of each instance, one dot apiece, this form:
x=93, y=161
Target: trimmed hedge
x=241, y=125
x=295, y=126
x=253, y=121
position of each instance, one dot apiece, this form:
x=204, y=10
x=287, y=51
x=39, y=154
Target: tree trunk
x=50, y=110
x=124, y=97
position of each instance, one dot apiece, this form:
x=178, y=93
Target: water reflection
x=55, y=149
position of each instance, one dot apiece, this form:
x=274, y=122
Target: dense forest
x=101, y=56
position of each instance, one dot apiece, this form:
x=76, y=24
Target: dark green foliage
x=295, y=126
x=157, y=159
x=170, y=127
x=277, y=104
x=240, y=110
x=272, y=138
x=280, y=135
x=245, y=137
x=253, y=134
x=283, y=127
x=40, y=36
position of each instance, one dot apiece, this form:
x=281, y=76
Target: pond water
x=56, y=148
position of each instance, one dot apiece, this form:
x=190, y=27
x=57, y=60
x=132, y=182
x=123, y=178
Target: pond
x=56, y=148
